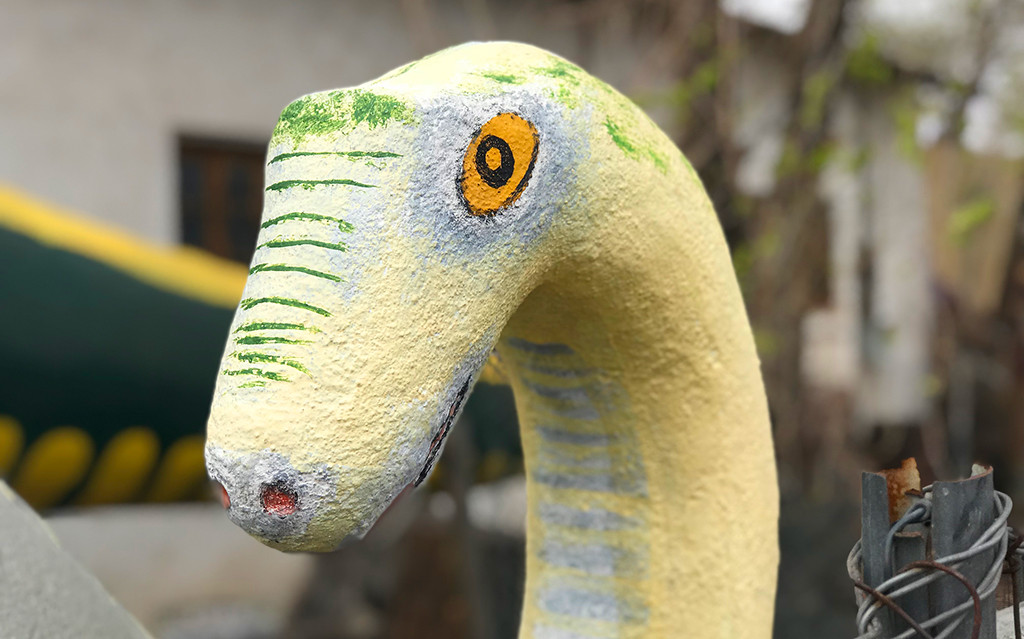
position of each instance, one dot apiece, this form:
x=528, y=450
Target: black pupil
x=495, y=178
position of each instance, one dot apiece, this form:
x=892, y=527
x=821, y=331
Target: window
x=221, y=195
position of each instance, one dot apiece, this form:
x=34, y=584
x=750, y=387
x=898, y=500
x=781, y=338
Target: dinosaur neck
x=651, y=483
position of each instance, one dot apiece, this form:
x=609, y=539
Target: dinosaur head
x=405, y=221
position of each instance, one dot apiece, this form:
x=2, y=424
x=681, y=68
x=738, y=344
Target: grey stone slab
x=44, y=593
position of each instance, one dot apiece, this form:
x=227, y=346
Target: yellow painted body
x=607, y=292
x=664, y=319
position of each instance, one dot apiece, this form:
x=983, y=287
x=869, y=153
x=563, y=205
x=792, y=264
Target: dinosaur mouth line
x=442, y=434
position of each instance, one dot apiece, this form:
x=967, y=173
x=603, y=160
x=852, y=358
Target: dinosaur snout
x=312, y=507
x=268, y=497
x=277, y=498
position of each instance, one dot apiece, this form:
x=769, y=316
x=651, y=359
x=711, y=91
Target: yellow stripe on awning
x=181, y=270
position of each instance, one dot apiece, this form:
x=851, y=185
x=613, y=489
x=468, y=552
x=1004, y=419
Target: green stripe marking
x=309, y=185
x=263, y=339
x=257, y=372
x=276, y=326
x=316, y=217
x=633, y=149
x=255, y=382
x=504, y=78
x=351, y=154
x=253, y=357
x=340, y=111
x=295, y=269
x=284, y=301
x=281, y=242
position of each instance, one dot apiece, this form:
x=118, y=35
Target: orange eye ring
x=498, y=164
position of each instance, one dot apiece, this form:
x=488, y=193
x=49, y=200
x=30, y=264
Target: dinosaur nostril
x=225, y=500
x=278, y=500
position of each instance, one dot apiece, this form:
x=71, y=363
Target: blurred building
x=154, y=116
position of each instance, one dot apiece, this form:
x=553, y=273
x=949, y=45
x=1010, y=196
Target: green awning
x=109, y=349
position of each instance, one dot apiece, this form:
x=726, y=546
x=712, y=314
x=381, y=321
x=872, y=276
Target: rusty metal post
x=909, y=547
x=961, y=512
x=928, y=561
x=874, y=526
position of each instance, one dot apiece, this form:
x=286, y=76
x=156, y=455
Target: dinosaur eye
x=498, y=163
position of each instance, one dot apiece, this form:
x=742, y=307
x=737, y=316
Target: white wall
x=93, y=94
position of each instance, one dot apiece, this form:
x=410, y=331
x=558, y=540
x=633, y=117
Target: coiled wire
x=917, y=577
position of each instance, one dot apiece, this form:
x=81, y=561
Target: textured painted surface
x=43, y=591
x=605, y=289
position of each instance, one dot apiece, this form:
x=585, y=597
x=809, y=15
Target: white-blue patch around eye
x=448, y=125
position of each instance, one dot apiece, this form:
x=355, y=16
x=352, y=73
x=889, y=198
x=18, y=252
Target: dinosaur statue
x=496, y=199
